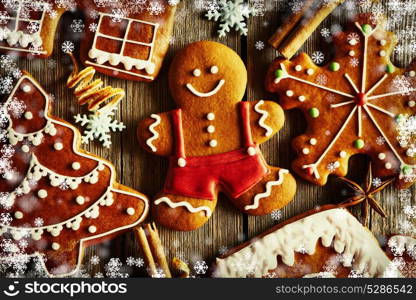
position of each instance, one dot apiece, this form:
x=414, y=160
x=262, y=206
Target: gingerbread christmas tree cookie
x=55, y=198
x=213, y=140
x=353, y=105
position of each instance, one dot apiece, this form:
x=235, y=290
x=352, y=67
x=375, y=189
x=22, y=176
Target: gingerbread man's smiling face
x=207, y=74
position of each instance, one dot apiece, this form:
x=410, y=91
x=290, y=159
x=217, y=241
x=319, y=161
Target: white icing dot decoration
x=26, y=88
x=289, y=93
x=305, y=151
x=18, y=215
x=76, y=165
x=92, y=229
x=25, y=148
x=181, y=162
x=130, y=211
x=80, y=200
x=412, y=73
x=381, y=156
x=210, y=116
x=58, y=146
x=411, y=103
x=313, y=141
x=298, y=68
x=387, y=166
x=251, y=151
x=55, y=246
x=382, y=53
x=410, y=152
x=310, y=71
x=213, y=143
x=211, y=129
x=42, y=194
x=197, y=72
x=342, y=154
x=214, y=69
x=383, y=42
x=301, y=98
x=336, y=164
x=28, y=115
x=351, y=53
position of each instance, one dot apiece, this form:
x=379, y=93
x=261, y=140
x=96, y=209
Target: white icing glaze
x=18, y=215
x=268, y=191
x=130, y=211
x=28, y=115
x=80, y=200
x=214, y=70
x=411, y=103
x=289, y=93
x=26, y=88
x=196, y=72
x=188, y=206
x=42, y=194
x=55, y=246
x=264, y=115
x=76, y=165
x=19, y=38
x=25, y=148
x=213, y=143
x=58, y=146
x=310, y=71
x=381, y=156
x=298, y=68
x=412, y=73
x=211, y=116
x=181, y=162
x=211, y=129
x=313, y=141
x=383, y=42
x=334, y=227
x=208, y=94
x=155, y=136
x=301, y=98
x=382, y=53
x=351, y=53
x=92, y=229
x=305, y=151
x=251, y=151
x=342, y=154
x=320, y=275
x=402, y=243
x=388, y=166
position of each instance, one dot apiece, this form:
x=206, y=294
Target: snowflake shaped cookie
x=369, y=102
x=230, y=14
x=99, y=125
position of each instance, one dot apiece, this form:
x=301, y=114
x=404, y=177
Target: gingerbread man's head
x=205, y=74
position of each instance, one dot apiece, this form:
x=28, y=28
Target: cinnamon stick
x=157, y=249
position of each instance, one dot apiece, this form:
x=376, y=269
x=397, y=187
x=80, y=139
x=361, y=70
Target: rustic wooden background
x=146, y=172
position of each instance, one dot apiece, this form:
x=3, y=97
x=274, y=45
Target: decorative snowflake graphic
x=5, y=219
x=33, y=27
x=318, y=57
x=354, y=62
x=38, y=222
x=117, y=15
x=325, y=32
x=222, y=250
x=376, y=182
x=231, y=14
x=276, y=215
x=77, y=25
x=321, y=79
x=200, y=267
x=155, y=8
x=353, y=38
x=259, y=45
x=99, y=125
x=93, y=27
x=94, y=260
x=67, y=47
x=409, y=269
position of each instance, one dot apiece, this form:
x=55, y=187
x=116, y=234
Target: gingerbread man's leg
x=273, y=192
x=182, y=213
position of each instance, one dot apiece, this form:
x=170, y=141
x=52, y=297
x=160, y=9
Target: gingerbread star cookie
x=355, y=104
x=213, y=140
x=56, y=199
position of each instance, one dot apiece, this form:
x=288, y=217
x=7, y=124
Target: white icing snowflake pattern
x=231, y=14
x=99, y=125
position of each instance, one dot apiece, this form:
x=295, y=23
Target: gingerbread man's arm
x=155, y=134
x=266, y=119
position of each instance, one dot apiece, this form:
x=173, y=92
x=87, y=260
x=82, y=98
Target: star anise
x=365, y=195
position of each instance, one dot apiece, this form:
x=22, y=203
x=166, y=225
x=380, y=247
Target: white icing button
x=298, y=68
x=42, y=194
x=301, y=98
x=412, y=73
x=18, y=215
x=383, y=42
x=28, y=115
x=305, y=151
x=351, y=53
x=382, y=53
x=381, y=156
x=130, y=211
x=411, y=103
x=387, y=166
x=26, y=88
x=343, y=154
x=213, y=143
x=352, y=42
x=55, y=246
x=289, y=93
x=310, y=71
x=214, y=69
x=336, y=164
x=80, y=200
x=410, y=152
x=211, y=129
x=313, y=141
x=251, y=151
x=197, y=72
x=181, y=162
x=211, y=116
x=92, y=229
x=25, y=148
x=76, y=165
x=58, y=146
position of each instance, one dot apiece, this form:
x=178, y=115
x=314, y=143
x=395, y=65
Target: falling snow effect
x=68, y=47
x=318, y=57
x=276, y=215
x=200, y=267
x=259, y=45
x=77, y=26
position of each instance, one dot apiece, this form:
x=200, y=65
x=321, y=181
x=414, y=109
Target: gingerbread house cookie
x=127, y=42
x=326, y=242
x=55, y=199
x=28, y=27
x=359, y=103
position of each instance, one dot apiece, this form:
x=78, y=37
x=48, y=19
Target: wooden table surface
x=146, y=173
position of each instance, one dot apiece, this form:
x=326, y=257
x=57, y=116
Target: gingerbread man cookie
x=327, y=242
x=212, y=140
x=55, y=198
x=355, y=104
x=28, y=27
x=130, y=41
